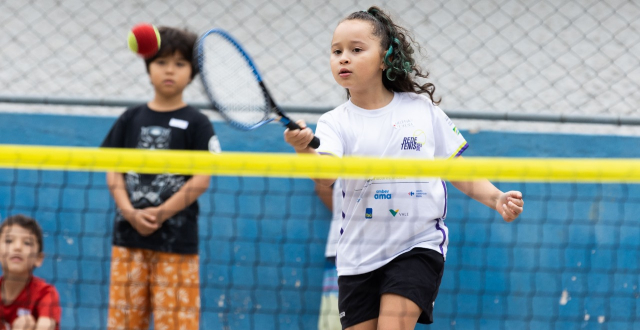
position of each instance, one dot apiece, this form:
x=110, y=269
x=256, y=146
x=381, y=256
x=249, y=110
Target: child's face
x=19, y=250
x=356, y=56
x=170, y=74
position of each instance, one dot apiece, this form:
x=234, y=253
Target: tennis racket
x=234, y=86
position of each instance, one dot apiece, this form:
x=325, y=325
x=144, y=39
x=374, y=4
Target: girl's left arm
x=509, y=204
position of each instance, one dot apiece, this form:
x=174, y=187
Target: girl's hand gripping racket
x=234, y=85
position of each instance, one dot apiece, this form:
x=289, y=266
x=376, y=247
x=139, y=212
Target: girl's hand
x=299, y=138
x=510, y=205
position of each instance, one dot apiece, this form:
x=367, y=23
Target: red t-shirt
x=37, y=298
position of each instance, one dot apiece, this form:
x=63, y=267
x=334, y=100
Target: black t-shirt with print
x=182, y=129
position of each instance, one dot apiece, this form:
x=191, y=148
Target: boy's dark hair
x=176, y=40
x=27, y=223
x=399, y=61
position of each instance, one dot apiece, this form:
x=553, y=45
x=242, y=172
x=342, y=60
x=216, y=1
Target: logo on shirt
x=410, y=143
x=368, y=213
x=414, y=142
x=417, y=193
x=154, y=137
x=398, y=213
x=455, y=130
x=403, y=123
x=382, y=194
x=214, y=145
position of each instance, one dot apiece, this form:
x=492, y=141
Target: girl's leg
x=397, y=313
x=366, y=325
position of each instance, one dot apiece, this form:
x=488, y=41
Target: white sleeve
x=330, y=138
x=449, y=142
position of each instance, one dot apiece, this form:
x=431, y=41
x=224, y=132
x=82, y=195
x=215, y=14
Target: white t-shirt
x=336, y=219
x=384, y=217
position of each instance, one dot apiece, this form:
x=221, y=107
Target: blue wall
x=262, y=253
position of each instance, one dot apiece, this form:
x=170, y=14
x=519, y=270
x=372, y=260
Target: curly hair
x=401, y=68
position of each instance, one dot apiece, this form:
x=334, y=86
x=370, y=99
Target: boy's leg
x=175, y=291
x=129, y=290
x=329, y=318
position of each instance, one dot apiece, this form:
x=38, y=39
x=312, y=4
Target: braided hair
x=401, y=68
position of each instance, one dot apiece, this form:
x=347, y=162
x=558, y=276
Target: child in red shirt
x=27, y=302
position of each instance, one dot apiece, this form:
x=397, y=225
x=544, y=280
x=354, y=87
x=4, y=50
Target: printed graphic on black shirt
x=154, y=137
x=155, y=193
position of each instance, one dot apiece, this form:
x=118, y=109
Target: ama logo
x=368, y=213
x=382, y=194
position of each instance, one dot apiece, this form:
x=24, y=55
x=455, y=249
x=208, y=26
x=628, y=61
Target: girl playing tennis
x=393, y=241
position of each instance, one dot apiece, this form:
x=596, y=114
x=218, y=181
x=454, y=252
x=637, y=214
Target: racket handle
x=315, y=142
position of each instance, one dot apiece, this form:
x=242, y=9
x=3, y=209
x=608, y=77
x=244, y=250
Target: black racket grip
x=315, y=142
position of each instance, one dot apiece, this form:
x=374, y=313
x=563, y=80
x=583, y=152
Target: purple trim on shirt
x=444, y=235
x=341, y=231
x=444, y=185
x=325, y=153
x=466, y=145
x=343, y=215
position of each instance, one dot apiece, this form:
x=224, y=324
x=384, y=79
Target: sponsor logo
x=368, y=213
x=417, y=193
x=341, y=314
x=403, y=123
x=398, y=213
x=382, y=194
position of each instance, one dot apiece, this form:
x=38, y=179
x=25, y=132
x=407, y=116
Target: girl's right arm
x=299, y=139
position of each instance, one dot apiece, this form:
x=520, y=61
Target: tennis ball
x=144, y=40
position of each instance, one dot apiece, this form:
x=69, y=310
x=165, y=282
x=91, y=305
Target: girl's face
x=356, y=56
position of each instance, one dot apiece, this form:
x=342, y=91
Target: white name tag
x=23, y=312
x=179, y=123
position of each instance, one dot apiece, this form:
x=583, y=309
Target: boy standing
x=27, y=301
x=155, y=264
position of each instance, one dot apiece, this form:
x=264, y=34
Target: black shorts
x=415, y=275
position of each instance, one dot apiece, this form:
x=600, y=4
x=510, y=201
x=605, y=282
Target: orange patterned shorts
x=145, y=282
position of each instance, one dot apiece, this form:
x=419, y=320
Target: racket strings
x=230, y=80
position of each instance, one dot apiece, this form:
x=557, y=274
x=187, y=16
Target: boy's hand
x=24, y=322
x=510, y=205
x=158, y=213
x=299, y=138
x=143, y=222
